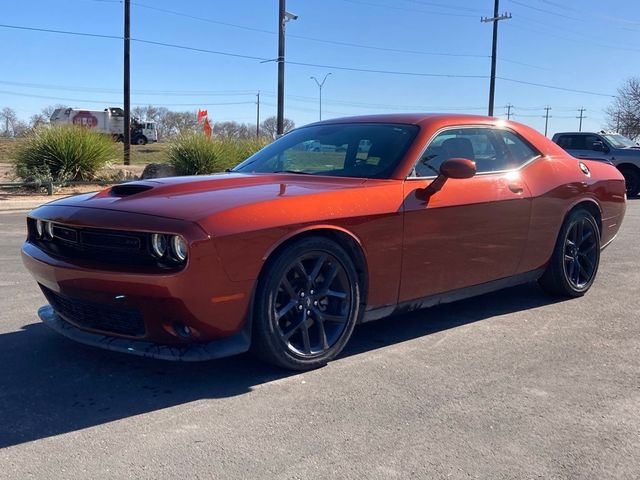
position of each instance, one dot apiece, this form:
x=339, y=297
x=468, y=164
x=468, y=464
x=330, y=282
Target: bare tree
x=175, y=123
x=44, y=116
x=269, y=127
x=234, y=130
x=624, y=113
x=8, y=119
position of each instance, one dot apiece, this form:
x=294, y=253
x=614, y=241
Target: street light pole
x=320, y=85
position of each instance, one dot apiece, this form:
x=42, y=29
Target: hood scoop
x=128, y=189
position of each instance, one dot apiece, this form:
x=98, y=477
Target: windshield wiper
x=293, y=171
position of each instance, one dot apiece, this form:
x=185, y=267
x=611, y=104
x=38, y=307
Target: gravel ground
x=512, y=384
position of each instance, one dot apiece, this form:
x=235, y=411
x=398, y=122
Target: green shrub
x=62, y=153
x=195, y=154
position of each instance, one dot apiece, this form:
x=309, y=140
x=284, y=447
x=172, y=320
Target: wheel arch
x=627, y=165
x=589, y=205
x=343, y=237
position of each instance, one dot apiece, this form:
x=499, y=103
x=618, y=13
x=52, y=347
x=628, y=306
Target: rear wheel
x=307, y=304
x=574, y=263
x=140, y=140
x=632, y=180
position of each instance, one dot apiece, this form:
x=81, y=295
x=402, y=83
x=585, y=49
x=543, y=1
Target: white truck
x=109, y=121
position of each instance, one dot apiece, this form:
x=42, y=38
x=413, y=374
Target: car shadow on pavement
x=50, y=385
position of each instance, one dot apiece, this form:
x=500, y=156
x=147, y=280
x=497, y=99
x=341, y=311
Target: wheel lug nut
x=311, y=292
x=308, y=312
x=299, y=307
x=315, y=303
x=302, y=294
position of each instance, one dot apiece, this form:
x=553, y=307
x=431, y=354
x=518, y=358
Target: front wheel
x=307, y=304
x=575, y=259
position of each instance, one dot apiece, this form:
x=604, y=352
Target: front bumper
x=194, y=352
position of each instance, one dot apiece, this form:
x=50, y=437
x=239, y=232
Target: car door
x=474, y=230
x=582, y=146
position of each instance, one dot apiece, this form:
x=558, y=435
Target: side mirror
x=458, y=168
x=597, y=146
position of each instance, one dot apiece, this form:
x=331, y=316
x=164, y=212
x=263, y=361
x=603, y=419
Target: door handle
x=516, y=188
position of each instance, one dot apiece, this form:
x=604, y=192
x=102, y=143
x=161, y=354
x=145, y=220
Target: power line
x=444, y=5
x=380, y=5
x=387, y=72
x=303, y=37
x=112, y=102
x=554, y=87
x=316, y=65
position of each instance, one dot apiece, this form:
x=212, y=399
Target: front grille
x=96, y=316
x=100, y=246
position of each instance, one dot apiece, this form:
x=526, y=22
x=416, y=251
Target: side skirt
x=452, y=296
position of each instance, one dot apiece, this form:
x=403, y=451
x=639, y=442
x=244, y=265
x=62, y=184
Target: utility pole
x=581, y=110
x=546, y=119
x=280, y=60
x=509, y=107
x=258, y=115
x=494, y=47
x=320, y=85
x=127, y=82
x=283, y=18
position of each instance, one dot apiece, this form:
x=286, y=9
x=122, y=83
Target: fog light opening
x=182, y=330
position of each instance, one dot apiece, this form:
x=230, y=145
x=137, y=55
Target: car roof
x=411, y=118
x=577, y=133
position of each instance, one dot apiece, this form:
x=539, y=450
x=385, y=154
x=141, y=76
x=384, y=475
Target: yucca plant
x=195, y=154
x=63, y=153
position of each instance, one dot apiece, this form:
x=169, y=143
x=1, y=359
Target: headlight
x=158, y=244
x=48, y=229
x=39, y=228
x=179, y=248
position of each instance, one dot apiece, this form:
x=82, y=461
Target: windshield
x=341, y=150
x=619, y=141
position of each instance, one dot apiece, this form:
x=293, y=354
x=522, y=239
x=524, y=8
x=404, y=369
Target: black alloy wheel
x=574, y=262
x=632, y=181
x=307, y=304
x=580, y=255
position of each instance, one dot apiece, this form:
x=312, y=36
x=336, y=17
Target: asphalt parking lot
x=513, y=384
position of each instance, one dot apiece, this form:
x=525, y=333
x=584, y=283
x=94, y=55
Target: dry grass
x=140, y=154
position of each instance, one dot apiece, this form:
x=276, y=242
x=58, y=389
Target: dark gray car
x=610, y=147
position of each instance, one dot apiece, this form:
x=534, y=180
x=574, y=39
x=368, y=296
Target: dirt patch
x=118, y=174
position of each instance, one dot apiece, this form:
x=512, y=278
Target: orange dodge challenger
x=336, y=223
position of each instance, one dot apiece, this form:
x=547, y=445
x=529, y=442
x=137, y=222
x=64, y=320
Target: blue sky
x=585, y=45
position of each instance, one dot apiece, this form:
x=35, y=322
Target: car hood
x=199, y=197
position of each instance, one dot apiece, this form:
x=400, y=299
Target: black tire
x=632, y=180
x=140, y=140
x=308, y=300
x=574, y=263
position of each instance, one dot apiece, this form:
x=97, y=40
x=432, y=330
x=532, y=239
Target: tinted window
x=571, y=142
x=589, y=140
x=516, y=151
x=345, y=150
x=492, y=149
